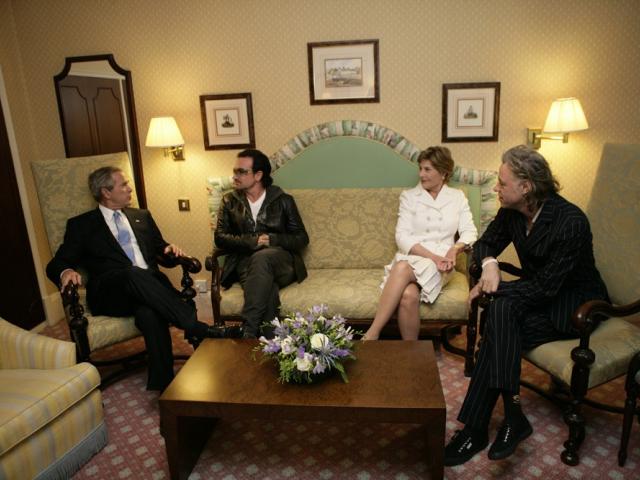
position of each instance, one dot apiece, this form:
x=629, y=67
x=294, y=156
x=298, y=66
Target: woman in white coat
x=430, y=215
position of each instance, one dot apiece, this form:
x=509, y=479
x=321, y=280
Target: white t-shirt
x=255, y=207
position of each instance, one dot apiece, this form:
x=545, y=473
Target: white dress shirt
x=107, y=213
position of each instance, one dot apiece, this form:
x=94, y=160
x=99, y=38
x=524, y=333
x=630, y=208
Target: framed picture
x=470, y=112
x=344, y=72
x=227, y=121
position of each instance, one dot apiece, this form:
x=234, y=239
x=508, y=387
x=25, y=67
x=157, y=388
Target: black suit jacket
x=89, y=244
x=559, y=271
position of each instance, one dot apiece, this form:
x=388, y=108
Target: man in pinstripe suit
x=553, y=241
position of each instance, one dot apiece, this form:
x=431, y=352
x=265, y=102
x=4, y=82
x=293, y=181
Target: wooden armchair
x=607, y=341
x=63, y=193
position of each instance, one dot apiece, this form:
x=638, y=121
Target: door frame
x=52, y=303
x=135, y=157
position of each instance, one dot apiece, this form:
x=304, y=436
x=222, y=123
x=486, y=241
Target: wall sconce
x=164, y=133
x=565, y=116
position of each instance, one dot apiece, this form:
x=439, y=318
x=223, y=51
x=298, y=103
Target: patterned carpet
x=315, y=450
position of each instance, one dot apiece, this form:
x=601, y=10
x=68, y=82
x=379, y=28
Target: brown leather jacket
x=237, y=233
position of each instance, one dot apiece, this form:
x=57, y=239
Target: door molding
x=130, y=115
x=52, y=304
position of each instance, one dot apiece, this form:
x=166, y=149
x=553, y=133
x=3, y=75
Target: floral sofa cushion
x=354, y=294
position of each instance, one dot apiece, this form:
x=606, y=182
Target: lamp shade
x=565, y=115
x=164, y=132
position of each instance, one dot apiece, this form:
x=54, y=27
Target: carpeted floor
x=315, y=450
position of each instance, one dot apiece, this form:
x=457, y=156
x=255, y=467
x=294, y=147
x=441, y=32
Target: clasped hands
x=447, y=263
x=263, y=240
x=489, y=281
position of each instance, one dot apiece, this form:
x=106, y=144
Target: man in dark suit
x=259, y=225
x=118, y=247
x=553, y=241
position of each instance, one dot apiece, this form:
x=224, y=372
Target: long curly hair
x=527, y=164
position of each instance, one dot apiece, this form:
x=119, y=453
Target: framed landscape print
x=227, y=121
x=343, y=72
x=470, y=112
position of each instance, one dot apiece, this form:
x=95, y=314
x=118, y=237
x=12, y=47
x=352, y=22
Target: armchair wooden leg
x=629, y=410
x=575, y=421
x=472, y=336
x=633, y=390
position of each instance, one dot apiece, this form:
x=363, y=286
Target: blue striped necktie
x=124, y=237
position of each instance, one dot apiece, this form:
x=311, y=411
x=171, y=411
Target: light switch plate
x=184, y=205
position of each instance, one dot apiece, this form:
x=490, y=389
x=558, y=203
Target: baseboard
x=53, y=309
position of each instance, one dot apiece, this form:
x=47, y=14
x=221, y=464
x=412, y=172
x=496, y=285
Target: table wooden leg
x=435, y=431
x=184, y=438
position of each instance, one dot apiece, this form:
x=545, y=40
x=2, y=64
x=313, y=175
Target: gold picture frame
x=227, y=121
x=343, y=72
x=470, y=112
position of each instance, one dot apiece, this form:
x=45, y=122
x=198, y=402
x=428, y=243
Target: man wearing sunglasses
x=261, y=228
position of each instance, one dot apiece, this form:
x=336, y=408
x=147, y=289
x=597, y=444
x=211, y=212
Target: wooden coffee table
x=391, y=381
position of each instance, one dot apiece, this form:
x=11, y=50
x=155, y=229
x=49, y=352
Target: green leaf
x=343, y=374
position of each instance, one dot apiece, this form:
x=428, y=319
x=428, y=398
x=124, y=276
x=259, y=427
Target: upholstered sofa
x=352, y=230
x=51, y=417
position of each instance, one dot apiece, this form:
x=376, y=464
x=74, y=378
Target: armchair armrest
x=585, y=319
x=23, y=349
x=190, y=264
x=589, y=313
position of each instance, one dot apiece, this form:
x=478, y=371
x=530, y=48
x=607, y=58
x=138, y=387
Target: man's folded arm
x=226, y=240
x=295, y=238
x=494, y=240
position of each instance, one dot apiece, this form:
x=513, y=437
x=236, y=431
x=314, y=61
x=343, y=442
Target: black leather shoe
x=508, y=437
x=463, y=446
x=234, y=332
x=216, y=331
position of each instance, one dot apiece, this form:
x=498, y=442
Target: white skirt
x=429, y=278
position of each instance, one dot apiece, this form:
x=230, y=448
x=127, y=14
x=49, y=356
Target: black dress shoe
x=463, y=446
x=216, y=331
x=234, y=332
x=508, y=437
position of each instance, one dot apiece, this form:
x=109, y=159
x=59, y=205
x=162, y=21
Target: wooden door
x=92, y=116
x=20, y=299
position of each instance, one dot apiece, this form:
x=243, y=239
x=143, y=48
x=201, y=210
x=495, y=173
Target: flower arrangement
x=308, y=346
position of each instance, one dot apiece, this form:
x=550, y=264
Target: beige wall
x=178, y=50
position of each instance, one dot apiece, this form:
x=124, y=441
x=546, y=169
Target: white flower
x=304, y=364
x=287, y=346
x=319, y=341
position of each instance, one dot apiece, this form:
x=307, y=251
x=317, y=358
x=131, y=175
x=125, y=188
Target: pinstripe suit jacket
x=559, y=271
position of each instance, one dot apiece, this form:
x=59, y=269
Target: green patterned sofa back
x=346, y=177
x=349, y=227
x=614, y=214
x=63, y=190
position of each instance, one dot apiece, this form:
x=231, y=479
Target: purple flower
x=319, y=368
x=271, y=347
x=341, y=352
x=301, y=352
